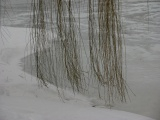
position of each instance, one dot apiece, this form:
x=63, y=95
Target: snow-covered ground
x=22, y=99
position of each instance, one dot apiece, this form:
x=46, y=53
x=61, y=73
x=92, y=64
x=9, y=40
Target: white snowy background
x=22, y=99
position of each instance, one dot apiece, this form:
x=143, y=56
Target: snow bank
x=22, y=99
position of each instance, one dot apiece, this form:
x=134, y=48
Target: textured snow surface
x=22, y=99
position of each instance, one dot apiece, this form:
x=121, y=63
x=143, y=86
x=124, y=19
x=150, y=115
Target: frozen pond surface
x=142, y=35
x=143, y=57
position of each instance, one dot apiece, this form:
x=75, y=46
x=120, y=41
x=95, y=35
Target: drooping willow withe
x=56, y=39
x=57, y=58
x=106, y=48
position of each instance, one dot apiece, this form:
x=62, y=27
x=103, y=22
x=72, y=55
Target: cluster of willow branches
x=57, y=58
x=106, y=48
x=56, y=39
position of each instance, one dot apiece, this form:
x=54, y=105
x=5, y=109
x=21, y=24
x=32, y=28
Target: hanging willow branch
x=59, y=60
x=69, y=41
x=56, y=42
x=106, y=50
